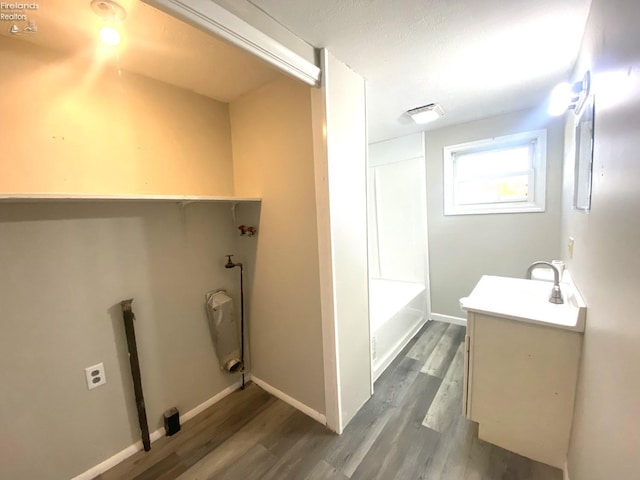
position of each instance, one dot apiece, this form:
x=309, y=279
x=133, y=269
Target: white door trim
x=332, y=394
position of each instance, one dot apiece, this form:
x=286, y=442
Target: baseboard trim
x=159, y=433
x=212, y=401
x=565, y=471
x=317, y=416
x=449, y=319
x=398, y=348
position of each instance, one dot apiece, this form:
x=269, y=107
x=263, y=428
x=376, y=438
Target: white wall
x=606, y=260
x=340, y=173
x=462, y=248
x=72, y=127
x=397, y=209
x=65, y=268
x=273, y=159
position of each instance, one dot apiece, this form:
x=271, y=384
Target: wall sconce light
x=570, y=97
x=426, y=113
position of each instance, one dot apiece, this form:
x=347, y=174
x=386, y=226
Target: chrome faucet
x=556, y=295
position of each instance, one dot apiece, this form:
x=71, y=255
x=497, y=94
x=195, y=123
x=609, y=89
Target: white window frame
x=535, y=201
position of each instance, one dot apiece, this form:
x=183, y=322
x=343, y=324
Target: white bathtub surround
x=398, y=311
x=388, y=297
x=448, y=319
x=398, y=251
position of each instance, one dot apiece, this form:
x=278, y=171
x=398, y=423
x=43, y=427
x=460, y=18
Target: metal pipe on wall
x=129, y=317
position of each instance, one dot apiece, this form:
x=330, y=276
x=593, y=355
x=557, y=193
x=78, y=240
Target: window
x=497, y=175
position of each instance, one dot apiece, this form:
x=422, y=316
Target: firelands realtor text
x=15, y=11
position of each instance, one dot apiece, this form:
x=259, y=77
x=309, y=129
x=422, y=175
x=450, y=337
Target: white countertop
x=528, y=301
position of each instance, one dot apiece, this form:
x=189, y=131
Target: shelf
x=8, y=198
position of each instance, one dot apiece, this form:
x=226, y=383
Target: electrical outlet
x=95, y=376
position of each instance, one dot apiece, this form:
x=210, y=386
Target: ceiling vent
x=426, y=113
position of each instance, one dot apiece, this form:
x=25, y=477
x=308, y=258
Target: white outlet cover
x=95, y=376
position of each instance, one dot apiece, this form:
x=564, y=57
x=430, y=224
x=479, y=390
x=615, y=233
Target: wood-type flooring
x=411, y=429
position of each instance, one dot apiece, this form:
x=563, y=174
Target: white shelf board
x=123, y=198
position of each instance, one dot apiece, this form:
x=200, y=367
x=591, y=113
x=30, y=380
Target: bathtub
x=397, y=311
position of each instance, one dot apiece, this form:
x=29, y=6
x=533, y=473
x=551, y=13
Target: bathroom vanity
x=521, y=364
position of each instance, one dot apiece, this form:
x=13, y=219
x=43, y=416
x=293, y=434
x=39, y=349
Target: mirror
x=584, y=157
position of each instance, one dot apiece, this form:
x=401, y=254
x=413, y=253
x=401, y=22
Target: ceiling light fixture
x=426, y=113
x=570, y=97
x=110, y=36
x=112, y=15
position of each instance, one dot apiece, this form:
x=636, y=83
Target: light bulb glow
x=560, y=99
x=110, y=36
x=426, y=116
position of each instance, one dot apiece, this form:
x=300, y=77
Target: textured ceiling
x=155, y=45
x=475, y=58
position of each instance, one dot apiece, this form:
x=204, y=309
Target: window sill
x=493, y=210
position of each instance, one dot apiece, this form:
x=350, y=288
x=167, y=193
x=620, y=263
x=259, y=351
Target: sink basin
x=528, y=301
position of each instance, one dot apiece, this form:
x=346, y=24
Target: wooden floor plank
x=235, y=405
x=499, y=465
x=299, y=460
x=289, y=433
x=237, y=445
x=170, y=464
x=392, y=388
x=386, y=455
x=324, y=471
x=540, y=471
x=427, y=341
x=519, y=466
x=447, y=405
x=440, y=358
x=351, y=447
x=418, y=445
x=251, y=466
x=207, y=441
x=252, y=435
x=451, y=456
x=478, y=464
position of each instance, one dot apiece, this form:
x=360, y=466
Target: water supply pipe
x=230, y=264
